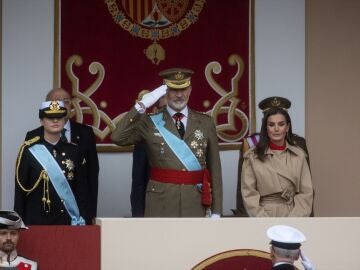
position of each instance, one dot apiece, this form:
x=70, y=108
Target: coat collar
x=292, y=148
x=193, y=122
x=4, y=257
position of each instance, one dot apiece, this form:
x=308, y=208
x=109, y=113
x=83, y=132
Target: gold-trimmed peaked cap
x=177, y=78
x=52, y=109
x=275, y=101
x=11, y=220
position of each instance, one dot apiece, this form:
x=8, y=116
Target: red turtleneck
x=274, y=146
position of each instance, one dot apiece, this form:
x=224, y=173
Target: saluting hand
x=306, y=262
x=150, y=99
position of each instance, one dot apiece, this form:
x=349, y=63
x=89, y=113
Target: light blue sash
x=179, y=147
x=58, y=180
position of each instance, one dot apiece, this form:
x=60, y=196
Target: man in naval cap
x=10, y=224
x=285, y=248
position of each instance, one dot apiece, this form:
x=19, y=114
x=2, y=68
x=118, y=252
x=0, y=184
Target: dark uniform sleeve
x=81, y=188
x=214, y=166
x=140, y=178
x=92, y=172
x=21, y=178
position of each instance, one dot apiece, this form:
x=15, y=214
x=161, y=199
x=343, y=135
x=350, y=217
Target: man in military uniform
x=83, y=136
x=285, y=248
x=10, y=224
x=252, y=141
x=182, y=146
x=51, y=187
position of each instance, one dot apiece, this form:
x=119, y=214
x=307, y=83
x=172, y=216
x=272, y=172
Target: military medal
x=69, y=164
x=194, y=144
x=199, y=152
x=70, y=176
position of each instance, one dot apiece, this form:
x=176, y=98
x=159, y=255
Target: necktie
x=179, y=125
x=63, y=135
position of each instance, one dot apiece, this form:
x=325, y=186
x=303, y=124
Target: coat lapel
x=169, y=123
x=192, y=124
x=75, y=135
x=281, y=169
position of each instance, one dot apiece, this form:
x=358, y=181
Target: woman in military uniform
x=275, y=178
x=50, y=186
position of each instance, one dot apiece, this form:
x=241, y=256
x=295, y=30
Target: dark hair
x=263, y=144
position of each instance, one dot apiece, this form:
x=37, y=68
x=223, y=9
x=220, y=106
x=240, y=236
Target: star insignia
x=69, y=164
x=199, y=152
x=194, y=144
x=70, y=176
x=198, y=134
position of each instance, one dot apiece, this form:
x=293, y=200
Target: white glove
x=306, y=262
x=150, y=99
x=215, y=216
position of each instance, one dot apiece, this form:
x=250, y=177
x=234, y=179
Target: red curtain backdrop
x=61, y=247
x=110, y=50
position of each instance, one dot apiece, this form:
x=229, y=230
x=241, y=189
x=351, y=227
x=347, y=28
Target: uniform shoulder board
x=200, y=112
x=156, y=112
x=32, y=140
x=203, y=113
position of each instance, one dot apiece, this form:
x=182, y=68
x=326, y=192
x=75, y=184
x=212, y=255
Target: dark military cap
x=272, y=102
x=177, y=78
x=11, y=220
x=286, y=237
x=52, y=109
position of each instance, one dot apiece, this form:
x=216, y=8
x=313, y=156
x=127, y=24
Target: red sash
x=186, y=178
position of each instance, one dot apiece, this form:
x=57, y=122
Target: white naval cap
x=11, y=220
x=52, y=109
x=286, y=237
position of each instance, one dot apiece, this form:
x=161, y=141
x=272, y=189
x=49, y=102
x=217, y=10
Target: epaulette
x=202, y=113
x=161, y=110
x=32, y=141
x=153, y=113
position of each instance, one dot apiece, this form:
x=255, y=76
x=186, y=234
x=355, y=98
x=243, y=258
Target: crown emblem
x=275, y=102
x=179, y=76
x=54, y=106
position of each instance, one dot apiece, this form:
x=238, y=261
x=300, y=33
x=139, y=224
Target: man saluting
x=182, y=145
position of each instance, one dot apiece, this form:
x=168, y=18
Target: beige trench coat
x=281, y=186
x=173, y=200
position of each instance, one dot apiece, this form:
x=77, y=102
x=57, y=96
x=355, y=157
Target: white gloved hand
x=306, y=262
x=150, y=99
x=215, y=216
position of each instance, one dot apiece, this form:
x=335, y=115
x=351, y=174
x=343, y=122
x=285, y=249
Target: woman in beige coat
x=275, y=179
